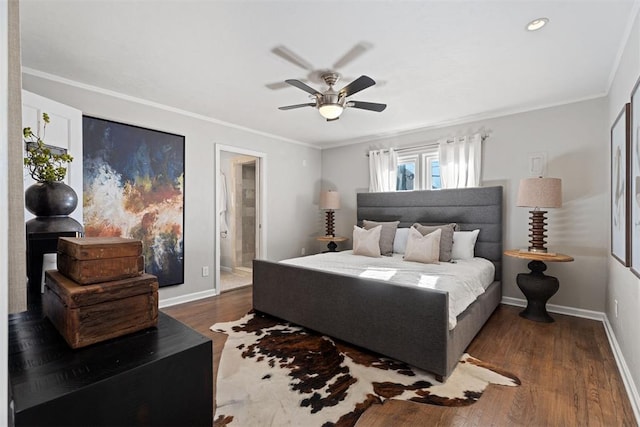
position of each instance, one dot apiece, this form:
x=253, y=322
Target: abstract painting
x=620, y=216
x=133, y=186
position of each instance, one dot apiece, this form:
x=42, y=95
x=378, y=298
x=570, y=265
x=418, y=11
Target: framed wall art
x=620, y=206
x=133, y=186
x=634, y=180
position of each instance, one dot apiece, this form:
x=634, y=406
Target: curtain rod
x=429, y=144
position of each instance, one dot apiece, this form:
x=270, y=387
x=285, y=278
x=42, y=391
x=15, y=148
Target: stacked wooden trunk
x=100, y=290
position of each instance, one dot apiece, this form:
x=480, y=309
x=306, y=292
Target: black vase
x=50, y=199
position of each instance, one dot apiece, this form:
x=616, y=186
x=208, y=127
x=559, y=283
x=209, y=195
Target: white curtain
x=460, y=161
x=383, y=170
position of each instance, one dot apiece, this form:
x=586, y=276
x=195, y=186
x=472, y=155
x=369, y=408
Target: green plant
x=43, y=163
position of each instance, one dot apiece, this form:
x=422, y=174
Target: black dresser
x=157, y=377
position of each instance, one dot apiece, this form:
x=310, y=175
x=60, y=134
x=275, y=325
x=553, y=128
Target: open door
x=240, y=217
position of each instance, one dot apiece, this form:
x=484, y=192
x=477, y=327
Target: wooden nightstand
x=332, y=241
x=537, y=286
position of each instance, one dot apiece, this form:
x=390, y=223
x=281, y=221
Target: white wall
x=292, y=180
x=623, y=286
x=4, y=205
x=574, y=136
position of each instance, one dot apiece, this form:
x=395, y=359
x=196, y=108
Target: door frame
x=261, y=212
x=33, y=105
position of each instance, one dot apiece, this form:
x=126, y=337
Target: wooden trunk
x=99, y=270
x=85, y=248
x=87, y=314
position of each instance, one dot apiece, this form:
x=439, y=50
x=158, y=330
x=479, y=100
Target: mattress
x=463, y=280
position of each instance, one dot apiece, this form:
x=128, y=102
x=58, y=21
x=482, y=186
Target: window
x=406, y=175
x=434, y=176
x=418, y=170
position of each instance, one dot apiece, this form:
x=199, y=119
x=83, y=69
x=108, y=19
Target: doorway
x=238, y=203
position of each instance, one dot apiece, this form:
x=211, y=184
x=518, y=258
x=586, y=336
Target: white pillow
x=425, y=249
x=366, y=242
x=400, y=241
x=464, y=243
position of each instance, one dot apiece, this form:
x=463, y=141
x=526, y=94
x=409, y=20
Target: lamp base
x=537, y=250
x=537, y=232
x=330, y=224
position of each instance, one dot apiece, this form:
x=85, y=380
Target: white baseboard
x=559, y=309
x=168, y=302
x=627, y=379
x=227, y=269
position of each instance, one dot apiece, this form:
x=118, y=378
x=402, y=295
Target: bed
x=407, y=323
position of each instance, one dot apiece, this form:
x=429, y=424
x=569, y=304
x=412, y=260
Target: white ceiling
x=439, y=62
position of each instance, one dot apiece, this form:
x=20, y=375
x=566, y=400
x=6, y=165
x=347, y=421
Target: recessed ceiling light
x=536, y=24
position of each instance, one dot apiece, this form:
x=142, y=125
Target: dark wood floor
x=568, y=373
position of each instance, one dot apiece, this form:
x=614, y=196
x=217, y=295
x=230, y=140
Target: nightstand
x=332, y=241
x=537, y=286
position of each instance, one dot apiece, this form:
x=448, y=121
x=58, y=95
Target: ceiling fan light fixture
x=536, y=24
x=331, y=103
x=331, y=111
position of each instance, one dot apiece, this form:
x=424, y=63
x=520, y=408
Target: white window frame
x=427, y=160
x=423, y=158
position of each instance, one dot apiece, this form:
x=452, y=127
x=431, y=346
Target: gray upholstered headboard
x=471, y=208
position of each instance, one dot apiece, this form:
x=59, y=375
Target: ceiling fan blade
x=372, y=106
x=357, y=85
x=277, y=85
x=352, y=54
x=304, y=87
x=291, y=107
x=333, y=120
x=290, y=56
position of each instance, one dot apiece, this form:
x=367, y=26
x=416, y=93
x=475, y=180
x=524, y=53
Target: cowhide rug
x=273, y=373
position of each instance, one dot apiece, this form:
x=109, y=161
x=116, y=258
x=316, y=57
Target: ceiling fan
x=331, y=103
x=313, y=74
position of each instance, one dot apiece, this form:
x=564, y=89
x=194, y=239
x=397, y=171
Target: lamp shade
x=540, y=193
x=330, y=200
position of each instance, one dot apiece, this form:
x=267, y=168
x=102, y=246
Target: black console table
x=157, y=377
x=42, y=238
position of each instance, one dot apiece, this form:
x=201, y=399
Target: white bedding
x=464, y=280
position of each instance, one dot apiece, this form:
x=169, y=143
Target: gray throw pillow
x=387, y=234
x=446, y=238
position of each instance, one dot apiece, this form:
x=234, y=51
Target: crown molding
x=129, y=98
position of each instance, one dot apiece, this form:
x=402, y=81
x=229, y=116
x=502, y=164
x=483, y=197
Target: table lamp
x=539, y=193
x=330, y=201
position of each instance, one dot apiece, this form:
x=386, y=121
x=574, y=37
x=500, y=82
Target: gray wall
x=292, y=177
x=574, y=137
x=17, y=262
x=622, y=285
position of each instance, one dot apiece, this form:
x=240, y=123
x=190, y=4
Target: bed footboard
x=406, y=323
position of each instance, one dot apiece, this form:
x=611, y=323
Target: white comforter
x=464, y=280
